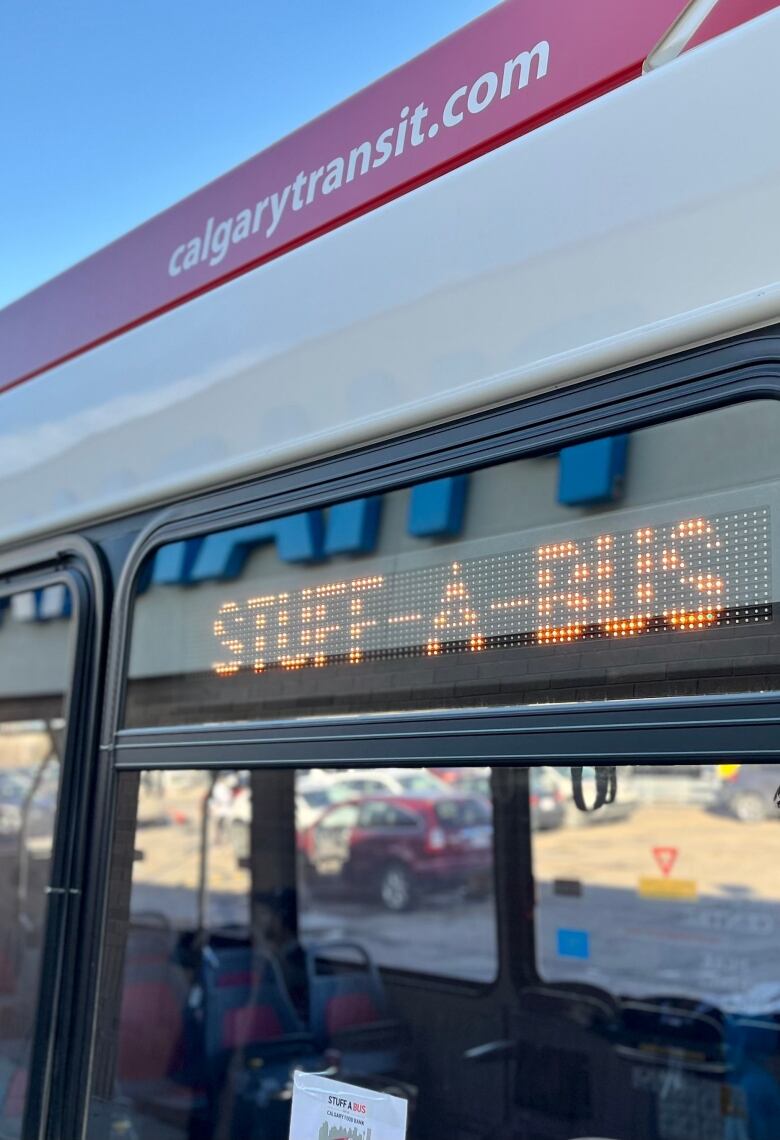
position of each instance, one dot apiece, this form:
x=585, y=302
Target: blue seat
x=349, y=1011
x=253, y=1040
x=246, y=1004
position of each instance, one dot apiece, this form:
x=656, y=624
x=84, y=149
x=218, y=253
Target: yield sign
x=665, y=857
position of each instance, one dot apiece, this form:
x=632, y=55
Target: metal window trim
x=642, y=730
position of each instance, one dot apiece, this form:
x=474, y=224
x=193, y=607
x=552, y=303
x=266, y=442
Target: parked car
x=317, y=790
x=350, y=784
x=749, y=792
x=547, y=799
x=312, y=797
x=475, y=783
x=400, y=847
x=547, y=794
x=457, y=779
x=696, y=785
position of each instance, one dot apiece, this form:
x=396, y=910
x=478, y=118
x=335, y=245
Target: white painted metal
x=643, y=222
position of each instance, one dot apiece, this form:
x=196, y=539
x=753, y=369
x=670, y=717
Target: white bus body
x=642, y=223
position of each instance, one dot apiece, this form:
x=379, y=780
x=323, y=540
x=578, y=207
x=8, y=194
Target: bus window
x=395, y=851
x=673, y=895
x=658, y=915
x=630, y=567
x=33, y=680
x=545, y=971
x=637, y=994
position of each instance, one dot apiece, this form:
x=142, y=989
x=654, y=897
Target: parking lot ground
x=722, y=856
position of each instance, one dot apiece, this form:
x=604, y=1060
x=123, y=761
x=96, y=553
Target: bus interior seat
x=561, y=1054
x=245, y=1003
x=588, y=1006
x=694, y=1034
x=349, y=1010
x=152, y=1056
x=253, y=1038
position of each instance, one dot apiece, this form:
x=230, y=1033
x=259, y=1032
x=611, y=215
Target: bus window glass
x=264, y=903
x=637, y=994
x=34, y=636
x=626, y=567
x=675, y=893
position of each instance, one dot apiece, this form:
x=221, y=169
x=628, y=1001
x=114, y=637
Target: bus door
x=37, y=634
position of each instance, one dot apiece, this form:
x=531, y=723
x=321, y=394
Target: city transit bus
x=389, y=679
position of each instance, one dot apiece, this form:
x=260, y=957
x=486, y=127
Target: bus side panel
x=614, y=234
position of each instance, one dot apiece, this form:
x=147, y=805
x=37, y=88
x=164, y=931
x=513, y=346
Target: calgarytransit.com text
x=413, y=129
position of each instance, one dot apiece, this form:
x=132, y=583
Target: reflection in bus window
x=269, y=925
x=665, y=924
x=33, y=667
x=675, y=897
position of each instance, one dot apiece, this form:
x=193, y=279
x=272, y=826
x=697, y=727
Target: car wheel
x=748, y=807
x=396, y=889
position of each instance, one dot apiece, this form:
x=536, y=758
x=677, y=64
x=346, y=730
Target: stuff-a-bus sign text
x=693, y=574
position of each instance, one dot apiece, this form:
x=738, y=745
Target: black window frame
x=73, y=562
x=653, y=730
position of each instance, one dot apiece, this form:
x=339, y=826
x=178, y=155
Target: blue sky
x=111, y=111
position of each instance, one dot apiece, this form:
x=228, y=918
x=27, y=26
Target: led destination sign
x=693, y=574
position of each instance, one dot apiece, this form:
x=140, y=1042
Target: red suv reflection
x=398, y=847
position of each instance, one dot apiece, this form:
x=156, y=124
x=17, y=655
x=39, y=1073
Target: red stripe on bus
x=517, y=67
